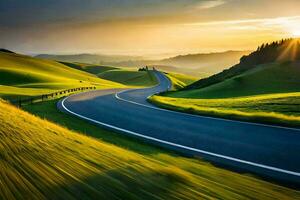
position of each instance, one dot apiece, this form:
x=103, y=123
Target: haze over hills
x=206, y=63
x=277, y=52
x=88, y=58
x=192, y=64
x=263, y=87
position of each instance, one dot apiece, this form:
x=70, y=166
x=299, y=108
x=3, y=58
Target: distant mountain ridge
x=88, y=58
x=279, y=51
x=202, y=63
x=205, y=56
x=6, y=51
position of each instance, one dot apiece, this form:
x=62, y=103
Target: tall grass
x=280, y=108
x=41, y=160
x=180, y=80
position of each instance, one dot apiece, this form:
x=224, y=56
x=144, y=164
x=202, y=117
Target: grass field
x=42, y=160
x=268, y=93
x=72, y=159
x=180, y=80
x=281, y=108
x=26, y=76
x=264, y=79
x=90, y=68
x=130, y=78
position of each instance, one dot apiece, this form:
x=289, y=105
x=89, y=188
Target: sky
x=144, y=27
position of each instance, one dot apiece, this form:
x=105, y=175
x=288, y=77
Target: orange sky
x=159, y=28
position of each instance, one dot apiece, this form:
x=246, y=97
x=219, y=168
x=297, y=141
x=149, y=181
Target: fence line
x=40, y=98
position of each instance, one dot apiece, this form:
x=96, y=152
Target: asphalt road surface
x=270, y=151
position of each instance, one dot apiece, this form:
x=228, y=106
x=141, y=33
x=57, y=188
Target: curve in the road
x=264, y=149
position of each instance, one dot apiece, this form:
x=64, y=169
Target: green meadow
x=268, y=93
x=22, y=76
x=90, y=68
x=263, y=79
x=41, y=160
x=129, y=77
x=180, y=80
x=281, y=108
x=47, y=154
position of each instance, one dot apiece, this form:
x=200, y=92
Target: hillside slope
x=201, y=64
x=88, y=58
x=40, y=160
x=90, y=68
x=264, y=79
x=264, y=87
x=282, y=51
x=25, y=75
x=207, y=63
x=180, y=80
x=131, y=78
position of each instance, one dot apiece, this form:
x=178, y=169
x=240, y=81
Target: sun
x=296, y=33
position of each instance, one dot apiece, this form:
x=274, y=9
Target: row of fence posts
x=43, y=97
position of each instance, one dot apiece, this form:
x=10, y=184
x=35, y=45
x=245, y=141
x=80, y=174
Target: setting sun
x=296, y=33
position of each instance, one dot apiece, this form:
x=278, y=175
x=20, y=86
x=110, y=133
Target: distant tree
x=143, y=68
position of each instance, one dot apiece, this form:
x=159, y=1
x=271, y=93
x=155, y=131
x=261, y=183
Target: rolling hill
x=88, y=58
x=90, y=68
x=263, y=87
x=263, y=79
x=22, y=75
x=130, y=78
x=280, y=51
x=192, y=64
x=180, y=80
x=208, y=63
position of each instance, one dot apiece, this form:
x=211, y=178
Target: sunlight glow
x=296, y=33
x=291, y=51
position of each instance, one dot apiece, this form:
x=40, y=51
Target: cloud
x=210, y=4
x=263, y=21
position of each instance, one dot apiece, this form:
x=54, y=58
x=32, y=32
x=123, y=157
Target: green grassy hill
x=131, y=78
x=180, y=80
x=264, y=79
x=280, y=51
x=22, y=75
x=90, y=68
x=279, y=108
x=88, y=58
x=41, y=160
x=263, y=87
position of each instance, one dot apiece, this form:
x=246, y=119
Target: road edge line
x=182, y=146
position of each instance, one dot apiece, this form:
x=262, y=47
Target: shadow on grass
x=123, y=183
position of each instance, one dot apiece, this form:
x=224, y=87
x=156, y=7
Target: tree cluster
x=143, y=69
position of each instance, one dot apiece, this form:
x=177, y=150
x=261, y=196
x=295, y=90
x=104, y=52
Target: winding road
x=270, y=151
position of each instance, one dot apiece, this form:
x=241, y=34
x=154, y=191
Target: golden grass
x=130, y=77
x=180, y=80
x=279, y=108
x=41, y=160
